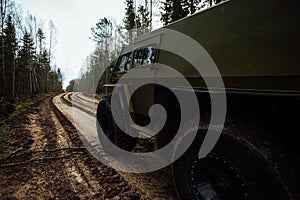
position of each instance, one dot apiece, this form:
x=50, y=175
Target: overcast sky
x=73, y=19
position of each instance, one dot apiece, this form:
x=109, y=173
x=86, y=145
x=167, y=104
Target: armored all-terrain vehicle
x=256, y=46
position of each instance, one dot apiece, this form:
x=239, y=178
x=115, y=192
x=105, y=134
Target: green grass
x=3, y=121
x=18, y=106
x=17, y=109
x=21, y=105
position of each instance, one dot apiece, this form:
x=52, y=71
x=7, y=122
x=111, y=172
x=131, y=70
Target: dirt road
x=45, y=159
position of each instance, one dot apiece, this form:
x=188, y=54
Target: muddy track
x=66, y=99
x=86, y=99
x=45, y=159
x=154, y=185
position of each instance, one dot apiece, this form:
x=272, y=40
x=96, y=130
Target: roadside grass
x=18, y=107
x=3, y=121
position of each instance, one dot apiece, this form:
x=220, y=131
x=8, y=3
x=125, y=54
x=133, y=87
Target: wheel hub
x=213, y=178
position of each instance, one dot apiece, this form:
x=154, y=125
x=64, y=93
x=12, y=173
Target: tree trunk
x=14, y=80
x=30, y=84
x=192, y=7
x=3, y=12
x=151, y=4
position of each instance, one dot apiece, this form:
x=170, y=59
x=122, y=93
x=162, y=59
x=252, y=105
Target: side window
x=150, y=53
x=144, y=56
x=138, y=57
x=125, y=63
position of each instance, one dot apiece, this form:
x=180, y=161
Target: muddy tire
x=233, y=170
x=105, y=120
x=109, y=127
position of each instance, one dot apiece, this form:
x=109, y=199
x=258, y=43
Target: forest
x=26, y=55
x=110, y=38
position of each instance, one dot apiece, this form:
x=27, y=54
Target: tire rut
x=52, y=164
x=154, y=185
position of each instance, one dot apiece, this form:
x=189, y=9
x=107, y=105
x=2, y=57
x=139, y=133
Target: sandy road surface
x=155, y=185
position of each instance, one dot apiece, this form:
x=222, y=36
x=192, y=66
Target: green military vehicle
x=256, y=47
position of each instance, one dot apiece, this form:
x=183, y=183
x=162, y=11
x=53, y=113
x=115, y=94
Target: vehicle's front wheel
x=233, y=170
x=109, y=127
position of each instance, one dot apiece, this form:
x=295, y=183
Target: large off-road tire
x=105, y=120
x=109, y=127
x=233, y=170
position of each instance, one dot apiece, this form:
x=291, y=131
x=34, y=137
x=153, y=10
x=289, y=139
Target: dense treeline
x=172, y=10
x=110, y=38
x=25, y=55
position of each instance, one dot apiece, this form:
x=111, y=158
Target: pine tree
x=26, y=62
x=178, y=11
x=40, y=38
x=103, y=31
x=3, y=13
x=130, y=19
x=130, y=15
x=173, y=10
x=44, y=71
x=193, y=6
x=40, y=70
x=10, y=48
x=166, y=12
x=190, y=6
x=143, y=20
x=55, y=81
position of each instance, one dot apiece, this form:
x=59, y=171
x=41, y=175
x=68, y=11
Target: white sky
x=73, y=19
